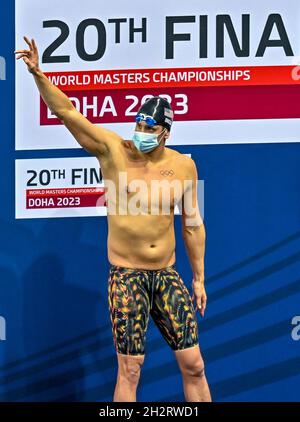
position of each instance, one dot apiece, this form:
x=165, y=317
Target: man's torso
x=141, y=206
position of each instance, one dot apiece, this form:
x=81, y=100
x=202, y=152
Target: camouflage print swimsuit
x=133, y=294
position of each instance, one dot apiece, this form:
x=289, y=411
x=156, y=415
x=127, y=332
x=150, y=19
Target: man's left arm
x=194, y=235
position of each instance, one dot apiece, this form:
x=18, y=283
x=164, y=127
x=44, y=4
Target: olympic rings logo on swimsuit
x=167, y=172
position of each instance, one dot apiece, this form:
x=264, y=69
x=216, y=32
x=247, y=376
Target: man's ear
x=167, y=135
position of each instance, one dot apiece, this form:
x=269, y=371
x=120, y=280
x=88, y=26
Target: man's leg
x=191, y=365
x=129, y=304
x=174, y=314
x=129, y=368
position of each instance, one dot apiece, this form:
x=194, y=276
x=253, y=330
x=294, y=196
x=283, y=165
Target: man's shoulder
x=182, y=158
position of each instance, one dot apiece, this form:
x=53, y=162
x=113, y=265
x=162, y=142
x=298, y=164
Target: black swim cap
x=160, y=109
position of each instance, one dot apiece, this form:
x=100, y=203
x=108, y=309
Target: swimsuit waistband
x=119, y=268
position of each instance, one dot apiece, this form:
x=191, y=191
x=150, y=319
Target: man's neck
x=158, y=154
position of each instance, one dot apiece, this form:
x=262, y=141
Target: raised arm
x=94, y=139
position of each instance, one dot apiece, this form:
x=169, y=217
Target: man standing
x=143, y=279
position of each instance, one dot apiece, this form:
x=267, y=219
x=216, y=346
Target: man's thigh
x=129, y=307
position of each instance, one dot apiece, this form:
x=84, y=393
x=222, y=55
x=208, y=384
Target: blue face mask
x=146, y=142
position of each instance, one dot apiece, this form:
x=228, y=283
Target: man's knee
x=194, y=369
x=130, y=368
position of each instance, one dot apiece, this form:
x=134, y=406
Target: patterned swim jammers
x=135, y=293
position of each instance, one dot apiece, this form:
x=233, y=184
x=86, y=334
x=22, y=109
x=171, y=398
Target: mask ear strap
x=161, y=133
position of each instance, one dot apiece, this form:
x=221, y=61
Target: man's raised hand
x=31, y=56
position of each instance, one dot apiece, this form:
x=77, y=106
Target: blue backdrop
x=53, y=280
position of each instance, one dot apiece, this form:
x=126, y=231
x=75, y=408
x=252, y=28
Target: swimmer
x=143, y=279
